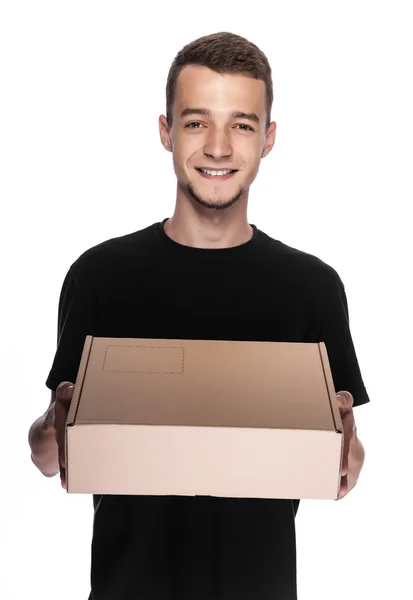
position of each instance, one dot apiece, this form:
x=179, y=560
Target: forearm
x=43, y=446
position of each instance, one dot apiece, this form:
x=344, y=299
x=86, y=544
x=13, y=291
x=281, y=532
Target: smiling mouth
x=216, y=174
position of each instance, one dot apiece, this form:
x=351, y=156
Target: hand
x=345, y=403
x=58, y=415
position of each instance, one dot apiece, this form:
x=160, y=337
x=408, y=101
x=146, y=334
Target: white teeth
x=215, y=172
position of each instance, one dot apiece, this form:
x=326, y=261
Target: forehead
x=199, y=86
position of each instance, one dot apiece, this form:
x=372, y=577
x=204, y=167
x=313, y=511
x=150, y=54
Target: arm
x=76, y=318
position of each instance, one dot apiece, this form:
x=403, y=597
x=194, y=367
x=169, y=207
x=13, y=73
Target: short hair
x=221, y=52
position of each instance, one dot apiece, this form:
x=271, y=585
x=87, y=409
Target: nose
x=218, y=145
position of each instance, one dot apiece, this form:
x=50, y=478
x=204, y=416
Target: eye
x=194, y=123
x=244, y=125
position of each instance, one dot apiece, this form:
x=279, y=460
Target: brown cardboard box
x=204, y=417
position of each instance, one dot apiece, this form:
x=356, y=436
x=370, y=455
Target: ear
x=269, y=139
x=164, y=133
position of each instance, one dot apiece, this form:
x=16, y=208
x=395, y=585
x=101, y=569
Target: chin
x=216, y=202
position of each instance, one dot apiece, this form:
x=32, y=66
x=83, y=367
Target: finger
x=342, y=402
x=62, y=459
x=63, y=477
x=344, y=463
x=60, y=439
x=346, y=449
x=348, y=432
x=64, y=391
x=343, y=488
x=345, y=400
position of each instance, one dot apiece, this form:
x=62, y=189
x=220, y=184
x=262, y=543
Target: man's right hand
x=57, y=415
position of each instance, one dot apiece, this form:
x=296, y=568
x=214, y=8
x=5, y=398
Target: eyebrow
x=207, y=113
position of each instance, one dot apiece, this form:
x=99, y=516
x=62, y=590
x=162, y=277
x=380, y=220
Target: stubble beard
x=216, y=201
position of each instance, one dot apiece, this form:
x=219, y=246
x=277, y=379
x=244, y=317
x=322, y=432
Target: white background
x=82, y=87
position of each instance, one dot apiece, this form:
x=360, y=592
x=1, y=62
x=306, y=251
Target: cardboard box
x=204, y=417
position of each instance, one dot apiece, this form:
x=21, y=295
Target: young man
x=205, y=273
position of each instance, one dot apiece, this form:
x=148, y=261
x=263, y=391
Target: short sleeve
x=77, y=313
x=335, y=333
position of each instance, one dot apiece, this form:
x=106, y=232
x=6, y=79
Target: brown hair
x=223, y=53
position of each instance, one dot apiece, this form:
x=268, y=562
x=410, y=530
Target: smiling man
x=217, y=129
x=204, y=273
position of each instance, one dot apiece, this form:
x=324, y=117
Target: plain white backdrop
x=82, y=87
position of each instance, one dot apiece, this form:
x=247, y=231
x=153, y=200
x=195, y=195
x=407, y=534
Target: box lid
x=205, y=383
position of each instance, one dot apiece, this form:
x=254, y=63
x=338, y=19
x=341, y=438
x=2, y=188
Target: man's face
x=217, y=139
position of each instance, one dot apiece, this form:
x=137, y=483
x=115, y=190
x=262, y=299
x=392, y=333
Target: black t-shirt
x=146, y=285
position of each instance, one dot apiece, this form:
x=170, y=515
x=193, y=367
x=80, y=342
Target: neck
x=203, y=232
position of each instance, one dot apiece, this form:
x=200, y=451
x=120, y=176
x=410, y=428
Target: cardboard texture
x=204, y=418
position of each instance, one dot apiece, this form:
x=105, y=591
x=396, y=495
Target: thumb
x=343, y=399
x=65, y=391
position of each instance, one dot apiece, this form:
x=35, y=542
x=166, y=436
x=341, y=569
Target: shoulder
x=301, y=263
x=114, y=251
